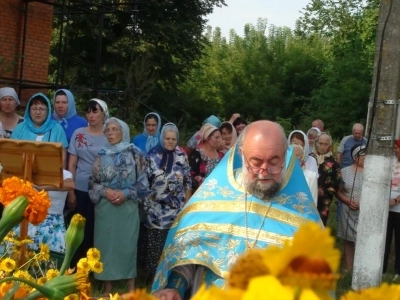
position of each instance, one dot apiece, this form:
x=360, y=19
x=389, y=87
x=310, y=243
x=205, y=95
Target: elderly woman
x=151, y=133
x=170, y=184
x=9, y=102
x=349, y=194
x=119, y=180
x=65, y=112
x=329, y=174
x=228, y=135
x=393, y=224
x=206, y=157
x=38, y=125
x=312, y=134
x=300, y=138
x=311, y=177
x=83, y=148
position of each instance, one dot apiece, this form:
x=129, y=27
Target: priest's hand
x=167, y=294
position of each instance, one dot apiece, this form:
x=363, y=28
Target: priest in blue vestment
x=256, y=196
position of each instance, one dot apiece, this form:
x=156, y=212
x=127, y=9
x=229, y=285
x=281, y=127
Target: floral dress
x=201, y=166
x=167, y=191
x=116, y=227
x=328, y=180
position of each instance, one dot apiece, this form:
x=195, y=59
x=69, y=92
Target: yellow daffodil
x=96, y=266
x=93, y=254
x=83, y=264
x=7, y=265
x=51, y=273
x=384, y=292
x=215, y=293
x=73, y=238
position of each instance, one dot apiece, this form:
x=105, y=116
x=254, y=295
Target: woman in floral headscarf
x=329, y=174
x=170, y=185
x=118, y=182
x=205, y=158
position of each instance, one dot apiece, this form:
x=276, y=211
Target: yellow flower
x=39, y=202
x=247, y=266
x=310, y=261
x=41, y=280
x=7, y=265
x=51, y=273
x=28, y=240
x=384, y=292
x=72, y=297
x=93, y=254
x=139, y=294
x=25, y=275
x=215, y=293
x=44, y=253
x=96, y=266
x=268, y=287
x=83, y=264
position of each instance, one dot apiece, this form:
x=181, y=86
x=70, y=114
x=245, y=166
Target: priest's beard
x=261, y=189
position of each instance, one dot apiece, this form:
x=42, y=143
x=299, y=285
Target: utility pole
x=382, y=116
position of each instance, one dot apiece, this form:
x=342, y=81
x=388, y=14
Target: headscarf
x=203, y=134
x=168, y=156
x=357, y=151
x=48, y=123
x=63, y=121
x=315, y=128
x=306, y=148
x=8, y=91
x=123, y=144
x=234, y=134
x=103, y=106
x=213, y=120
x=321, y=157
x=152, y=140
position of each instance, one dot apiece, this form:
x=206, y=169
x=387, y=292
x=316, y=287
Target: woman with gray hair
x=349, y=194
x=9, y=102
x=329, y=176
x=118, y=182
x=170, y=185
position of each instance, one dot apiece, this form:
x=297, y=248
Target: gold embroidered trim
x=231, y=206
x=238, y=231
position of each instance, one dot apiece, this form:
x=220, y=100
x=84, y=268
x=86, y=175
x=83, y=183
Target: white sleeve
x=311, y=164
x=340, y=149
x=67, y=175
x=314, y=188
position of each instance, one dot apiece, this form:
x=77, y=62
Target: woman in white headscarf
x=308, y=162
x=9, y=102
x=118, y=182
x=84, y=145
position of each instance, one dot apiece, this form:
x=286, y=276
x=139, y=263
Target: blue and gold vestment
x=211, y=230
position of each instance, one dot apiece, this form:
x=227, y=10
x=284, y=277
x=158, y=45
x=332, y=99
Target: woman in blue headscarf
x=170, y=186
x=118, y=182
x=65, y=112
x=38, y=125
x=151, y=133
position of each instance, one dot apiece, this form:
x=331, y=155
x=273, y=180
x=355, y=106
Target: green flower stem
x=13, y=214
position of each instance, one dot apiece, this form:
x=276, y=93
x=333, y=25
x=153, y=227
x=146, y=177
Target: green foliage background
x=171, y=63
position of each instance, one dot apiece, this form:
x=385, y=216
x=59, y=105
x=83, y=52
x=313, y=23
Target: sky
x=240, y=12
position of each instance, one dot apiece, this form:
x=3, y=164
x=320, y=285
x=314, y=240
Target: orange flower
x=39, y=202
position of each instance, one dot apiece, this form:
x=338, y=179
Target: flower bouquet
x=17, y=281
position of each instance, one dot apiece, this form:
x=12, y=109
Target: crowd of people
x=132, y=190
